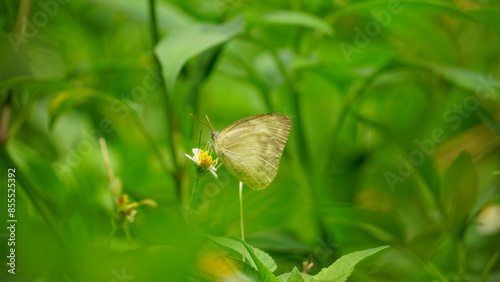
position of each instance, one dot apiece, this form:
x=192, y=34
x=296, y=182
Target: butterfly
x=251, y=148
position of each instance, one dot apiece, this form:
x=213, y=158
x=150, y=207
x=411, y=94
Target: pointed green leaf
x=190, y=40
x=264, y=273
x=343, y=267
x=235, y=248
x=244, y=269
x=294, y=276
x=265, y=258
x=298, y=19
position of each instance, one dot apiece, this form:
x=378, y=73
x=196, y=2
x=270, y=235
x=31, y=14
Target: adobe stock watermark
x=203, y=195
x=372, y=29
x=323, y=251
x=121, y=277
x=39, y=19
x=74, y=156
x=222, y=7
x=454, y=117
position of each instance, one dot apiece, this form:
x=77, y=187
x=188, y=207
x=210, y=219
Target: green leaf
x=488, y=16
x=265, y=258
x=294, y=276
x=483, y=86
x=466, y=79
x=439, y=7
x=343, y=267
x=184, y=43
x=406, y=38
x=65, y=101
x=235, y=248
x=488, y=119
x=264, y=273
x=245, y=269
x=297, y=18
x=459, y=190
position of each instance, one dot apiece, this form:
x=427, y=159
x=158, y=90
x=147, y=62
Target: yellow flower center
x=205, y=159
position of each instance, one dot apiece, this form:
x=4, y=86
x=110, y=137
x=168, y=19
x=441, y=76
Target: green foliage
x=234, y=248
x=297, y=19
x=343, y=267
x=294, y=275
x=459, y=192
x=180, y=45
x=394, y=141
x=340, y=270
x=265, y=274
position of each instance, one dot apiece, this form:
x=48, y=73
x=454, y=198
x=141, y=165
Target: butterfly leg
x=210, y=146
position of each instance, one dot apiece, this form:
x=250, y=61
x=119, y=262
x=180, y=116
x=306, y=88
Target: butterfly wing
x=251, y=148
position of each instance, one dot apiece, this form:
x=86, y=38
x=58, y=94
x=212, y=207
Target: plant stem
x=105, y=156
x=169, y=109
x=191, y=197
x=127, y=234
x=461, y=260
x=242, y=226
x=489, y=265
x=150, y=141
x=206, y=64
x=298, y=123
x=427, y=263
x=5, y=120
x=111, y=234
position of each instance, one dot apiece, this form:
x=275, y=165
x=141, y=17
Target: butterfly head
x=214, y=135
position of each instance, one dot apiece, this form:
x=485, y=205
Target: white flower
x=203, y=161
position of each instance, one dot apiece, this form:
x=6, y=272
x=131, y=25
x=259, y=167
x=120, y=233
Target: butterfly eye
x=214, y=135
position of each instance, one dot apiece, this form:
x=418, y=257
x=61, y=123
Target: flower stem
x=191, y=197
x=242, y=226
x=127, y=234
x=111, y=234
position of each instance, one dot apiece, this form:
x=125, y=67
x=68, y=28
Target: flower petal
x=196, y=152
x=213, y=170
x=191, y=158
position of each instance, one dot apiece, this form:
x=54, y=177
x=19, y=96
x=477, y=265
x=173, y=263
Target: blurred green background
x=395, y=138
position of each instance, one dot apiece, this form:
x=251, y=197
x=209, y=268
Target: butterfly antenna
x=211, y=126
x=200, y=121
